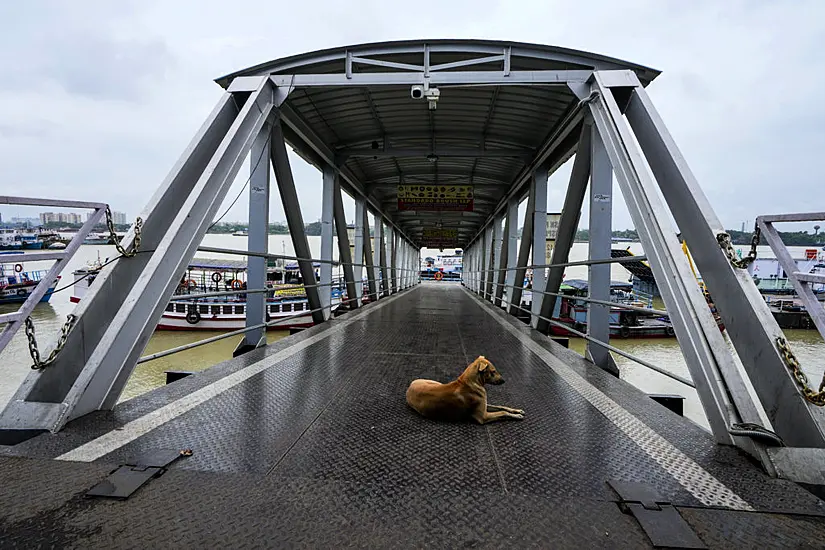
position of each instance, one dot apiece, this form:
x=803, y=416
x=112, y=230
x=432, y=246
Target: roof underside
x=482, y=135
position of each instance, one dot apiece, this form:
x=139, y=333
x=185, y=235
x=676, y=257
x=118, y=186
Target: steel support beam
x=539, y=240
x=601, y=203
x=344, y=254
x=480, y=78
x=568, y=224
x=695, y=328
x=327, y=217
x=748, y=320
x=370, y=257
x=120, y=312
x=361, y=233
x=523, y=255
x=258, y=240
x=294, y=219
x=511, y=235
x=504, y=254
x=495, y=255
x=393, y=260
x=381, y=247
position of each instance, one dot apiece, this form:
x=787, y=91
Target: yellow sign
x=552, y=233
x=440, y=233
x=290, y=291
x=457, y=198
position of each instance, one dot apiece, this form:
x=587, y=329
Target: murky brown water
x=48, y=318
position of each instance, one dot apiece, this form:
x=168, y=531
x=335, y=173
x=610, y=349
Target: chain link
x=61, y=342
x=727, y=248
x=815, y=397
x=113, y=236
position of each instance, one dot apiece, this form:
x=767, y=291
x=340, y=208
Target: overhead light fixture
x=432, y=157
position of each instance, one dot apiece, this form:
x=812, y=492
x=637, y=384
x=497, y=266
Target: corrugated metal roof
x=481, y=135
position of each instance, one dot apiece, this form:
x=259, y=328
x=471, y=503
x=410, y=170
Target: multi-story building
x=119, y=218
x=60, y=217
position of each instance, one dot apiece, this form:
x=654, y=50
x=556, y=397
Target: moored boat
x=17, y=284
x=286, y=297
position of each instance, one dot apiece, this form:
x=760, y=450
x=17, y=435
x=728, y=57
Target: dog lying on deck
x=463, y=398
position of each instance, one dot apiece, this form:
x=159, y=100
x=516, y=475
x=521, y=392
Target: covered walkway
x=309, y=442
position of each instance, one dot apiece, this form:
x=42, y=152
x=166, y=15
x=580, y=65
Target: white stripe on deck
x=695, y=479
x=130, y=431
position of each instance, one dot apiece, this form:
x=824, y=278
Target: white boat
x=287, y=299
x=240, y=234
x=770, y=278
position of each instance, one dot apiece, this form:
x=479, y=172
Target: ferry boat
x=286, y=299
x=15, y=239
x=447, y=267
x=770, y=278
x=17, y=284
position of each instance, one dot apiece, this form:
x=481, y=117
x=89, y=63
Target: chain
x=815, y=397
x=113, y=236
x=727, y=247
x=61, y=342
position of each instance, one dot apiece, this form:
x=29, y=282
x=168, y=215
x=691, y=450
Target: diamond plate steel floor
x=309, y=442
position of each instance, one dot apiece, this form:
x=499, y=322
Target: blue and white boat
x=17, y=284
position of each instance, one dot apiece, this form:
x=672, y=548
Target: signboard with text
x=454, y=198
x=436, y=237
x=552, y=233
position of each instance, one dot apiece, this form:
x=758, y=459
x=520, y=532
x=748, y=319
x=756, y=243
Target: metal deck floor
x=309, y=442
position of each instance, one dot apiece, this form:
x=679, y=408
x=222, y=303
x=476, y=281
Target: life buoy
x=193, y=317
x=191, y=283
x=18, y=268
x=438, y=276
x=216, y=277
x=236, y=284
x=669, y=331
x=624, y=331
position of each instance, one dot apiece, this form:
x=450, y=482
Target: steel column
x=512, y=249
x=484, y=260
x=523, y=254
x=748, y=320
x=380, y=245
x=369, y=258
x=358, y=258
x=258, y=239
x=601, y=202
x=504, y=253
x=343, y=244
x=680, y=291
x=539, y=240
x=327, y=215
x=495, y=254
x=393, y=242
x=294, y=219
x=568, y=224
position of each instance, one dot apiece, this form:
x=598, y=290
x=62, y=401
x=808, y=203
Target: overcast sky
x=98, y=99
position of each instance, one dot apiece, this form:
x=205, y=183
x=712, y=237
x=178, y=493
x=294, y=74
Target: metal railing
x=482, y=282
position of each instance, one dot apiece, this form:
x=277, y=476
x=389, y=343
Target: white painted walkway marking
x=130, y=431
x=695, y=479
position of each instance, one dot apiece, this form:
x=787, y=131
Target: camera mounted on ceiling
x=423, y=91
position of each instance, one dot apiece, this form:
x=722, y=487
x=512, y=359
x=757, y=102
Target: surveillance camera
x=417, y=91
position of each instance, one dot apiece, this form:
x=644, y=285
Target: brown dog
x=463, y=398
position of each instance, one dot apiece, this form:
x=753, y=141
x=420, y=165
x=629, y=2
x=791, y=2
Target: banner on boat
x=437, y=237
x=552, y=233
x=290, y=291
x=454, y=198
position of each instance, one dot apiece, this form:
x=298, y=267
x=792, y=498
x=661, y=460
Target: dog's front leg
x=501, y=408
x=485, y=417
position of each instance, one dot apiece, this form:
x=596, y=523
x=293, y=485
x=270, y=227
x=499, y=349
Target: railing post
x=495, y=254
x=370, y=258
x=568, y=224
x=523, y=254
x=327, y=206
x=512, y=250
x=294, y=219
x=539, y=240
x=358, y=256
x=598, y=316
x=343, y=244
x=257, y=241
x=381, y=246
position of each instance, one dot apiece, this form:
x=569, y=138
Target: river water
x=664, y=352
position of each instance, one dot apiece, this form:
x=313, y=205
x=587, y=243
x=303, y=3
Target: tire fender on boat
x=624, y=331
x=21, y=292
x=18, y=268
x=193, y=317
x=669, y=331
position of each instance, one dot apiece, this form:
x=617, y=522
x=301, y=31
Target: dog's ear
x=482, y=363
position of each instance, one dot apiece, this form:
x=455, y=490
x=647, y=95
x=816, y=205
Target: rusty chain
x=113, y=236
x=61, y=342
x=815, y=397
x=727, y=247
